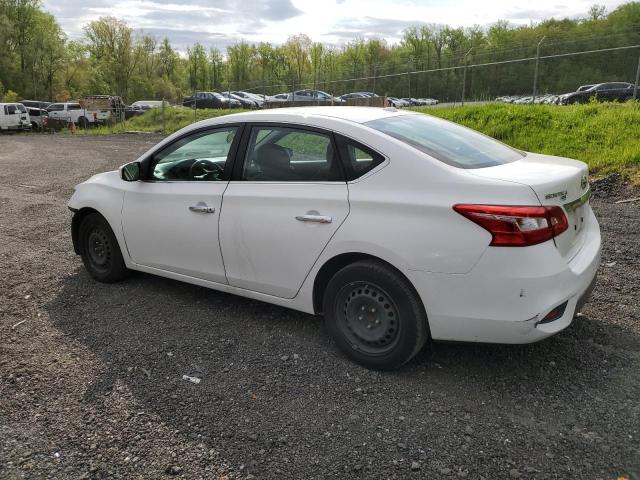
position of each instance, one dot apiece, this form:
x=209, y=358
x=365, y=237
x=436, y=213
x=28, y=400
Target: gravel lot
x=91, y=375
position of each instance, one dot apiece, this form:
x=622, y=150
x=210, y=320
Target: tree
x=297, y=51
x=113, y=52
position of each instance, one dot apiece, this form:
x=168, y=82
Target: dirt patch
x=91, y=375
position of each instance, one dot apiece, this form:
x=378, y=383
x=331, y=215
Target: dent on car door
x=287, y=198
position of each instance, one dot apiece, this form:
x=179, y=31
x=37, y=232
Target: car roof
x=293, y=114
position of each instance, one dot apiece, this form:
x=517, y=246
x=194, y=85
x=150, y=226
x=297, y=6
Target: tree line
x=39, y=62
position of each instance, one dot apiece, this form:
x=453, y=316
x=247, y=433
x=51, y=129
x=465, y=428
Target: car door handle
x=202, y=207
x=314, y=218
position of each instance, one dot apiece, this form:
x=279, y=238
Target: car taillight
x=516, y=226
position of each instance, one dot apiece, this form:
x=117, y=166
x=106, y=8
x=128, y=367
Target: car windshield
x=445, y=141
x=21, y=108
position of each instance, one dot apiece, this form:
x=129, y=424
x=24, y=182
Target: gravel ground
x=91, y=375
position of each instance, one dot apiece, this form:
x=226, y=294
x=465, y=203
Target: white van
x=14, y=116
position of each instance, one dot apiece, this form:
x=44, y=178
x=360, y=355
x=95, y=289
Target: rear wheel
x=375, y=315
x=100, y=250
x=83, y=122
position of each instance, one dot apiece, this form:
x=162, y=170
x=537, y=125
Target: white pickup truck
x=69, y=112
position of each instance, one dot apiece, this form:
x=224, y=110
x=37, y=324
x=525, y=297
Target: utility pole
x=635, y=87
x=464, y=74
x=535, y=73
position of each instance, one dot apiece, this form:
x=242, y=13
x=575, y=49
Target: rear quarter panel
x=402, y=211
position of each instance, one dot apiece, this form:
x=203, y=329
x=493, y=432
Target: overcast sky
x=224, y=22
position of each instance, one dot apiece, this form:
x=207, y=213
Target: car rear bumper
x=509, y=291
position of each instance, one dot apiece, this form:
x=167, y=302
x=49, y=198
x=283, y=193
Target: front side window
x=283, y=154
x=56, y=107
x=10, y=109
x=198, y=157
x=446, y=141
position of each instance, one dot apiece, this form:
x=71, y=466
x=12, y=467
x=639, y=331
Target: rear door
x=285, y=201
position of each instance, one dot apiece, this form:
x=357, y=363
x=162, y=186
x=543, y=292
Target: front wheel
x=100, y=250
x=374, y=315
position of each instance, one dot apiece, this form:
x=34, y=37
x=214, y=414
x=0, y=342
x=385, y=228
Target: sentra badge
x=562, y=195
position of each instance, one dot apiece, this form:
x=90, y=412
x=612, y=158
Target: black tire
x=374, y=315
x=83, y=122
x=100, y=251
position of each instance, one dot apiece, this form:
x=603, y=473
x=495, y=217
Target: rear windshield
x=445, y=141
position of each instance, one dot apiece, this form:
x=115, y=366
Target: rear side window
x=73, y=106
x=446, y=141
x=56, y=107
x=358, y=159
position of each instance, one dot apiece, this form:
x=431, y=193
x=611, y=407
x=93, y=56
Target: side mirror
x=130, y=172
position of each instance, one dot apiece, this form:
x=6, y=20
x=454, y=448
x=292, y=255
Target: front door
x=170, y=221
x=287, y=199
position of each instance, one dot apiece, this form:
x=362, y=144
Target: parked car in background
x=246, y=102
x=279, y=97
x=602, y=92
x=38, y=118
x=35, y=103
x=131, y=111
x=356, y=213
x=258, y=99
x=397, y=102
x=14, y=116
x=350, y=96
x=210, y=100
x=149, y=104
x=68, y=112
x=312, y=96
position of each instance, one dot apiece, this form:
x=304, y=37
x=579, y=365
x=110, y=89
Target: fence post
x=464, y=74
x=635, y=87
x=409, y=83
x=164, y=123
x=535, y=72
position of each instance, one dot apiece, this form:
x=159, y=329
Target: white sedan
x=397, y=226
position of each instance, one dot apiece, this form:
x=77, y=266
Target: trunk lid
x=555, y=181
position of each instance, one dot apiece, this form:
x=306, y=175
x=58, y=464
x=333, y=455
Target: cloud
x=221, y=23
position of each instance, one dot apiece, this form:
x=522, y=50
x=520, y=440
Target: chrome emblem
x=584, y=182
x=562, y=195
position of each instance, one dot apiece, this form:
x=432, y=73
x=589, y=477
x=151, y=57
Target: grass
x=606, y=136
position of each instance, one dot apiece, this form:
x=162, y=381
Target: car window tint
x=446, y=141
x=56, y=107
x=73, y=106
x=201, y=156
x=359, y=159
x=290, y=155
